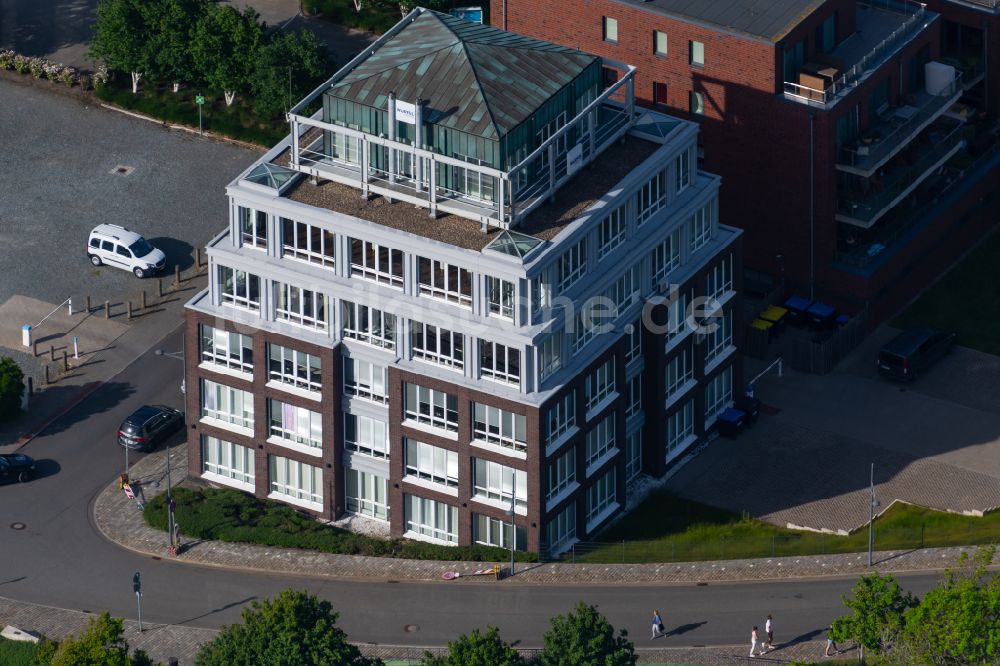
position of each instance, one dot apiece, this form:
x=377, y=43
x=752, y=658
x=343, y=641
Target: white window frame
x=430, y=518
x=677, y=323
x=299, y=242
x=499, y=362
x=306, y=368
x=305, y=429
x=500, y=297
x=650, y=197
x=365, y=501
x=434, y=344
x=562, y=527
x=701, y=227
x=430, y=407
x=601, y=439
x=430, y=463
x=721, y=338
x=550, y=354
x=501, y=427
x=444, y=281
x=496, y=533
x=679, y=371
x=541, y=292
x=379, y=328
x=560, y=417
x=572, y=264
x=612, y=232
x=696, y=53
x=370, y=437
x=216, y=397
x=609, y=29
x=658, y=49
x=633, y=403
x=719, y=280
x=253, y=227
x=247, y=297
x=299, y=306
x=602, y=494
x=626, y=290
x=295, y=480
x=682, y=167
x=226, y=348
x=562, y=473
x=600, y=383
x=366, y=380
x=375, y=267
x=584, y=331
x=491, y=481
x=228, y=460
x=680, y=426
x=665, y=257
x=633, y=455
x=718, y=393
x=633, y=339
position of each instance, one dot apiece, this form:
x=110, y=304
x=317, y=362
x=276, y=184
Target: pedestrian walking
x=657, y=625
x=753, y=640
x=830, y=644
x=769, y=631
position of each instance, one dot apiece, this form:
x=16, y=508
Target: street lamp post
x=171, y=523
x=872, y=505
x=513, y=528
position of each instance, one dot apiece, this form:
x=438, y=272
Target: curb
x=85, y=392
x=169, y=125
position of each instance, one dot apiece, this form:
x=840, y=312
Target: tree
x=289, y=67
x=292, y=629
x=11, y=388
x=224, y=48
x=122, y=37
x=101, y=644
x=584, y=637
x=477, y=649
x=878, y=608
x=171, y=26
x=957, y=622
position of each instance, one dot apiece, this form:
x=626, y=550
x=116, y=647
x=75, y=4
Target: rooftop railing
x=989, y=4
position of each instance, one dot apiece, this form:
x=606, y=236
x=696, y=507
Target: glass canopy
x=514, y=244
x=270, y=175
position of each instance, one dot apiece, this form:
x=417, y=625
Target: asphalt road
x=61, y=560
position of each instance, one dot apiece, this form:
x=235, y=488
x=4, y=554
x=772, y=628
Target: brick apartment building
x=397, y=319
x=856, y=139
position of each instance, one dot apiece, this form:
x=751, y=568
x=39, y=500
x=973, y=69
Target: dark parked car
x=16, y=466
x=148, y=426
x=912, y=352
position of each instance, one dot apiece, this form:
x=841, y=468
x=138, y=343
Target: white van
x=117, y=246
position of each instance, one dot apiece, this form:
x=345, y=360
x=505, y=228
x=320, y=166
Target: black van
x=913, y=351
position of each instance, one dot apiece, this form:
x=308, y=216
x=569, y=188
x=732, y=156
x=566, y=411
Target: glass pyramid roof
x=514, y=244
x=655, y=124
x=270, y=175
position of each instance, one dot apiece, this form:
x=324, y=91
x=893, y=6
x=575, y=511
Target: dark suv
x=911, y=352
x=148, y=426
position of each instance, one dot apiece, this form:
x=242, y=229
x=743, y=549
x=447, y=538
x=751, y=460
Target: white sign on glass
x=406, y=112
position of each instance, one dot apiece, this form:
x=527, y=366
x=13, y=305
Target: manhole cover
x=122, y=170
x=17, y=526
x=410, y=628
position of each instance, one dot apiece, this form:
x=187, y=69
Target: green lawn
x=665, y=528
x=17, y=653
x=965, y=301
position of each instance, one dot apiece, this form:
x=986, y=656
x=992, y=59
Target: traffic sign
x=199, y=99
x=136, y=583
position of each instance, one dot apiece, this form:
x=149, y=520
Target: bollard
x=159, y=287
x=107, y=309
x=142, y=299
x=88, y=304
x=31, y=385
x=198, y=257
x=52, y=353
x=129, y=304
x=47, y=381
x=34, y=348
x=177, y=275
x=65, y=361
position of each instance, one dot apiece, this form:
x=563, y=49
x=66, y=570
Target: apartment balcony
x=898, y=126
x=988, y=5
x=863, y=201
x=376, y=165
x=883, y=28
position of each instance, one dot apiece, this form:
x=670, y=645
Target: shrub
x=100, y=77
x=7, y=59
x=51, y=70
x=11, y=388
x=84, y=80
x=21, y=64
x=68, y=75
x=37, y=67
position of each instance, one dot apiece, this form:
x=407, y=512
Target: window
x=230, y=350
x=369, y=325
x=562, y=528
x=719, y=280
x=440, y=280
x=665, y=257
x=677, y=324
x=366, y=435
x=633, y=404
x=572, y=264
x=296, y=480
x=562, y=472
x=680, y=426
x=471, y=182
x=625, y=291
x=376, y=263
x=601, y=439
x=701, y=227
x=298, y=306
x=680, y=370
x=683, y=171
x=795, y=56
x=500, y=362
x=660, y=91
x=611, y=233
x=651, y=197
x=431, y=463
x=432, y=519
x=500, y=297
x=239, y=288
x=696, y=103
x=253, y=227
x=718, y=393
x=600, y=383
x=228, y=460
x=601, y=495
x=293, y=367
x=633, y=346
x=540, y=292
x=696, y=53
x=497, y=426
x=295, y=424
x=633, y=455
x=560, y=417
x=367, y=494
x=344, y=148
x=585, y=327
x=721, y=338
x=434, y=408
x=610, y=29
x=492, y=532
x=500, y=483
x=659, y=43
x=367, y=380
x=550, y=353
x=226, y=404
x=437, y=345
x=826, y=34
x=307, y=243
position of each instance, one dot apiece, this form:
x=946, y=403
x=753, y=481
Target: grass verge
x=665, y=528
x=18, y=653
x=230, y=515
x=965, y=301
